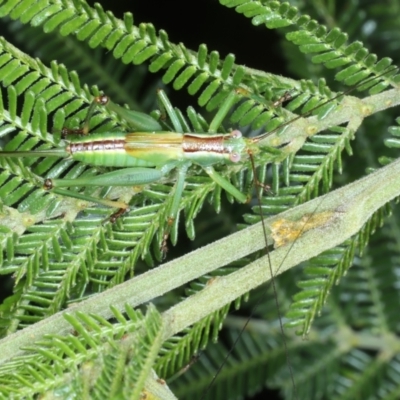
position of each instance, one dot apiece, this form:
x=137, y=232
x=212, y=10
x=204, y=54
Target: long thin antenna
x=308, y=113
x=272, y=283
x=228, y=354
x=255, y=140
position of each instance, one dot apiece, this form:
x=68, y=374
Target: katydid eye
x=236, y=134
x=234, y=157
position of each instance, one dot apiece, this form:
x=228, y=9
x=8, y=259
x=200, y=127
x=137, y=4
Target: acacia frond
x=97, y=354
x=60, y=250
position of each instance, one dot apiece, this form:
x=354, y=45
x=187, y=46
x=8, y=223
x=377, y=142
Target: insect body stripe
x=192, y=144
x=100, y=146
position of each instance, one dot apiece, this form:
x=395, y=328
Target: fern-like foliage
x=57, y=250
x=98, y=358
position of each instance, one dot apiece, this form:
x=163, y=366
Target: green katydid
x=145, y=156
x=149, y=153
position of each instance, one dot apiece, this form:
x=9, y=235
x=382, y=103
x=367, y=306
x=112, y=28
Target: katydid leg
x=121, y=177
x=100, y=100
x=176, y=198
x=76, y=195
x=137, y=120
x=225, y=184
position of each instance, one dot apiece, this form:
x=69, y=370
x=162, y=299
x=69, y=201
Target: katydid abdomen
x=107, y=150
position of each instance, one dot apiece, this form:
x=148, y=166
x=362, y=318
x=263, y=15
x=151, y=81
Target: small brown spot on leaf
x=285, y=231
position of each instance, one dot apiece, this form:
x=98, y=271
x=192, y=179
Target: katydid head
x=234, y=145
x=238, y=147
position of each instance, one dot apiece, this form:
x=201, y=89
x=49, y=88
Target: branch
x=352, y=108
